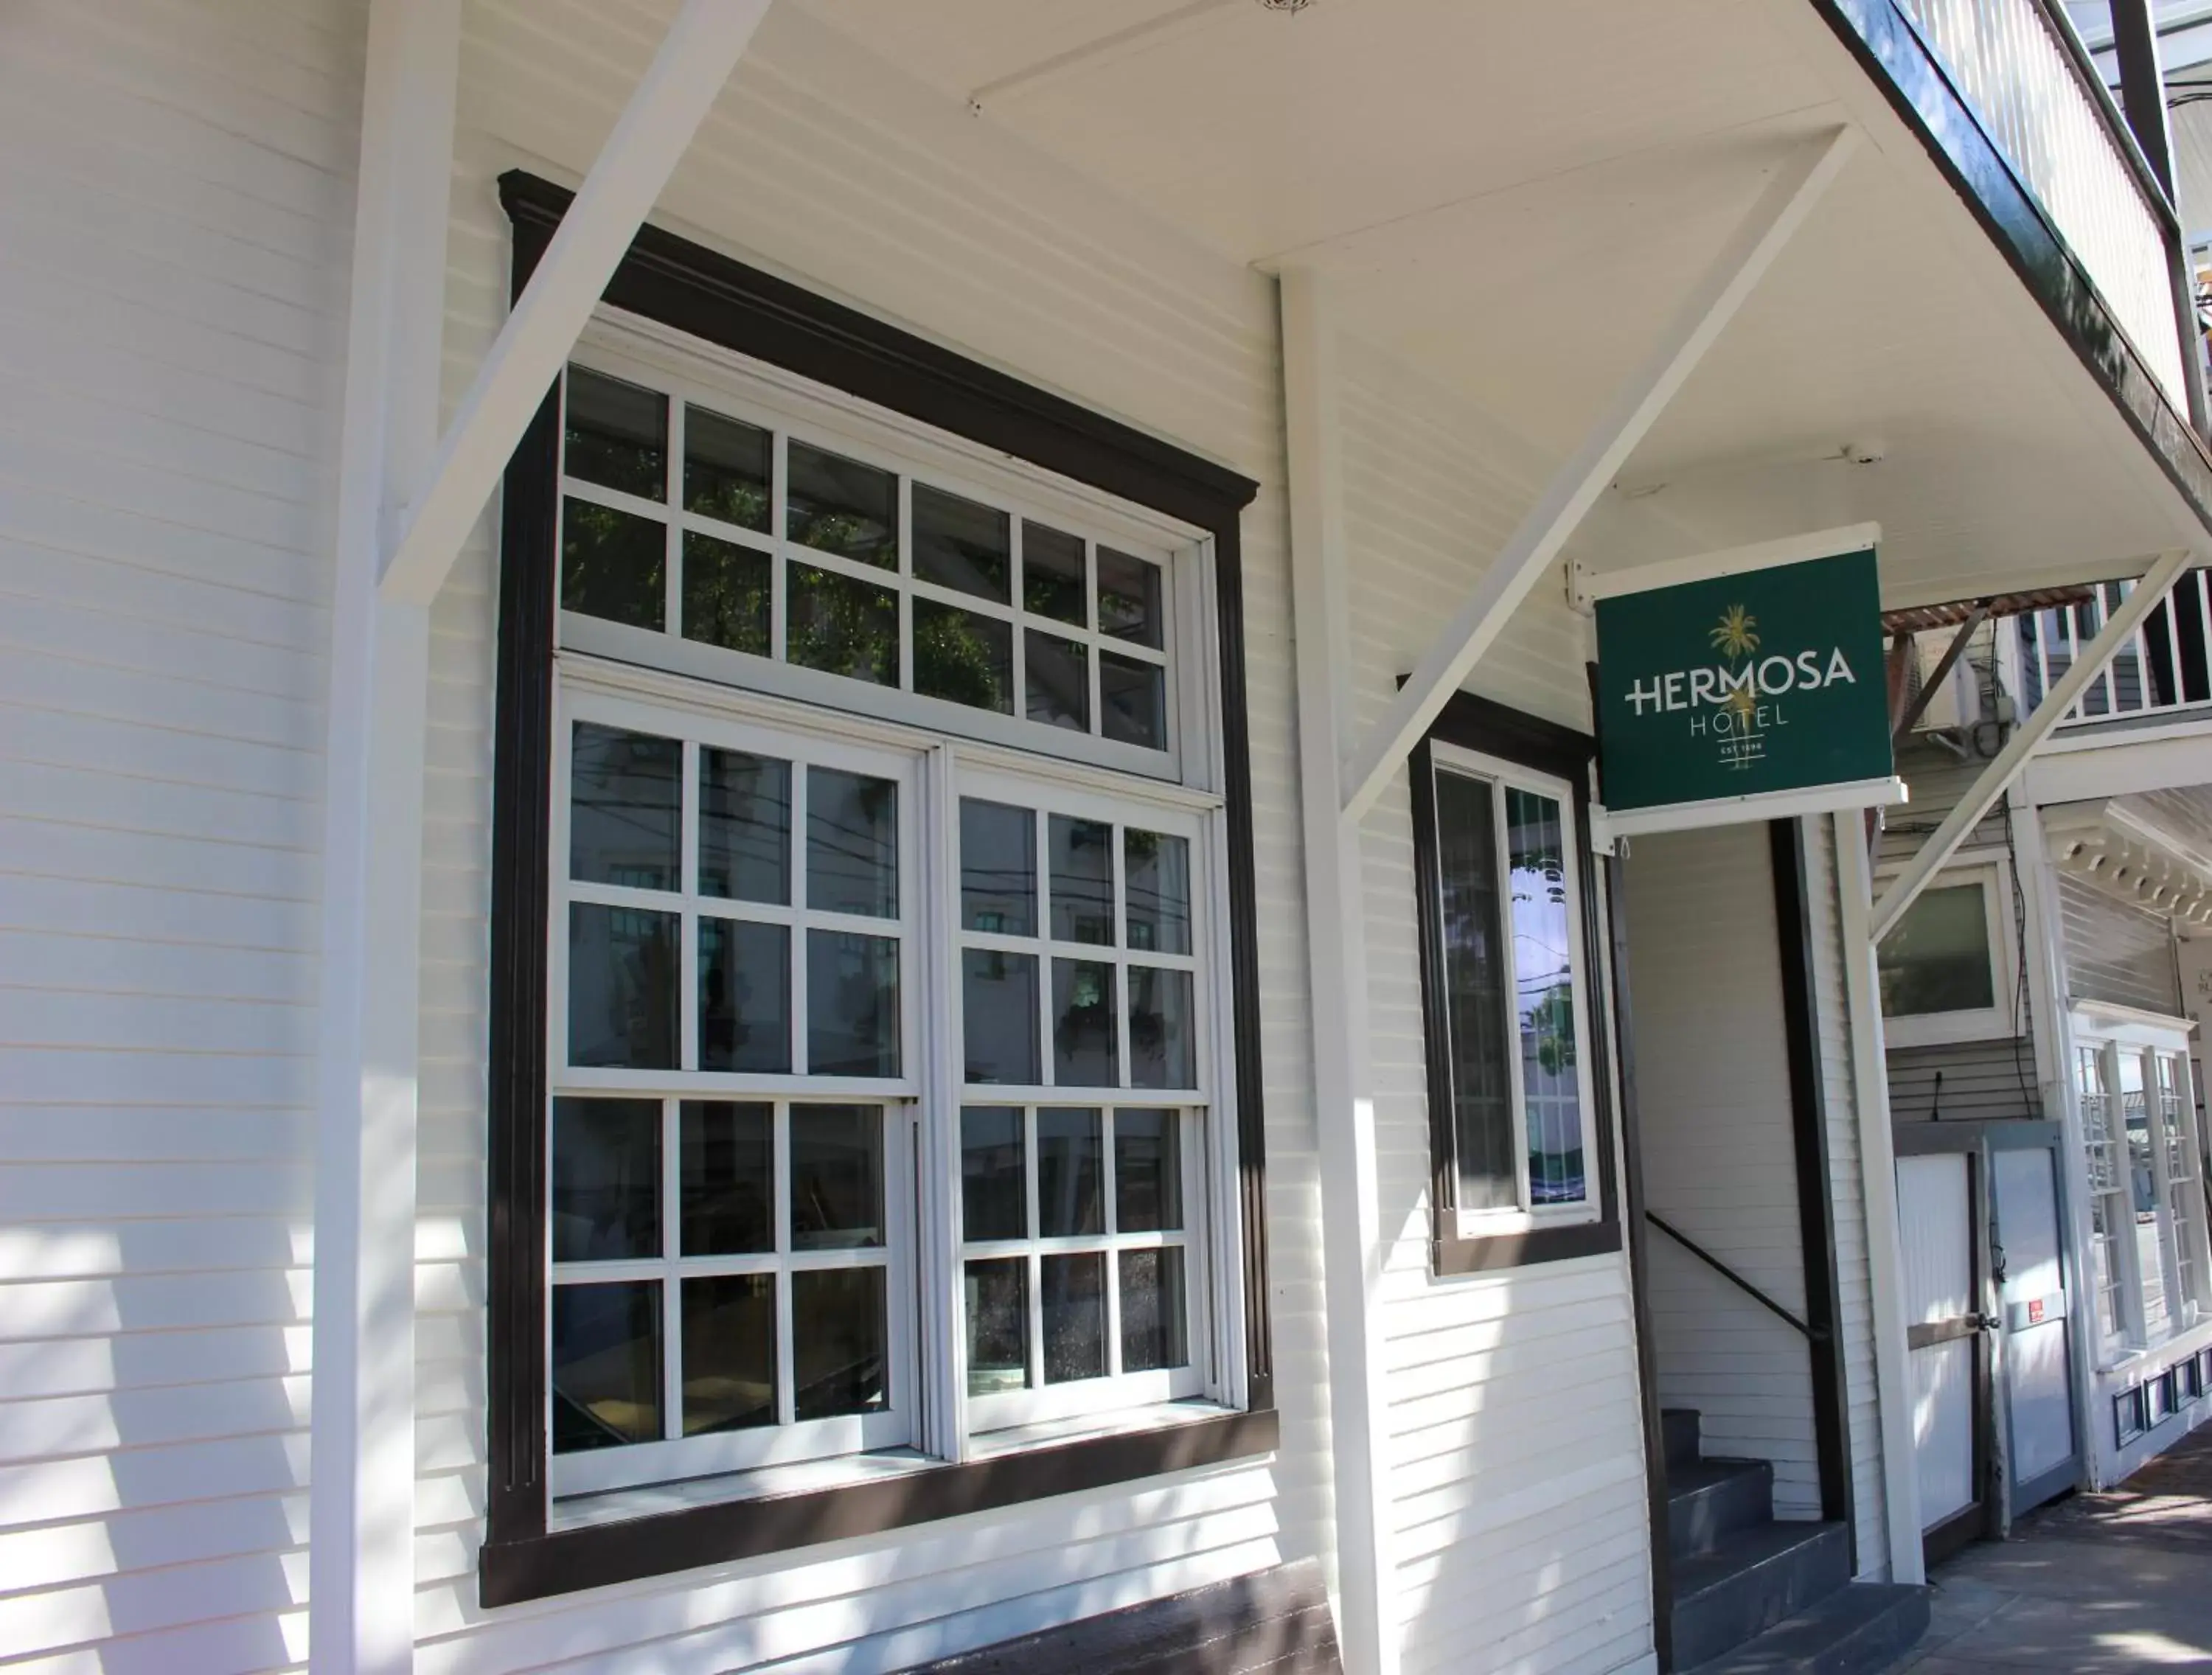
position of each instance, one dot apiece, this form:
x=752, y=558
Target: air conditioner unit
x=1957, y=704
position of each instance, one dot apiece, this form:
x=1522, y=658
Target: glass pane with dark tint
x=625, y=808
x=1147, y=1172
x=841, y=626
x=729, y=595
x=1132, y=698
x=998, y=868
x=622, y=988
x=837, y=1176
x=1153, y=1333
x=729, y=1352
x=1129, y=599
x=841, y=506
x=1937, y=959
x=1072, y=1290
x=1083, y=1024
x=998, y=1296
x=852, y=843
x=993, y=1174
x=605, y=1365
x=727, y=467
x=745, y=826
x=1476, y=1005
x=959, y=543
x=613, y=564
x=1156, y=877
x=617, y=434
x=964, y=657
x=605, y=1196
x=839, y=1342
x=1071, y=1173
x=725, y=1179
x=1080, y=858
x=1057, y=679
x=1053, y=582
x=744, y=996
x=1543, y=973
x=852, y=1005
x=999, y=1017
x=1162, y=1053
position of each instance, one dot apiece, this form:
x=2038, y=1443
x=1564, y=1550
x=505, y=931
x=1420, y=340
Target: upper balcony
x=2162, y=675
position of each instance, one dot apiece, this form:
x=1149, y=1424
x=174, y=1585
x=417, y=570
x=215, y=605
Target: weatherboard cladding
x=2115, y=952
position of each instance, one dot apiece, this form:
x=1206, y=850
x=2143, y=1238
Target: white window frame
x=1492, y=1223
x=1992, y=1023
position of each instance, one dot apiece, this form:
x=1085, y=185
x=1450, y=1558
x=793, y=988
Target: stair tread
x=1689, y=1479
x=1889, y=1616
x=1744, y=1549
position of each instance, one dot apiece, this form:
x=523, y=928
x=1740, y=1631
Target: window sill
x=1544, y=1242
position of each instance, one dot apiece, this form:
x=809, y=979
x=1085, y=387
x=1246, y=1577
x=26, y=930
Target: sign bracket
x=1586, y=586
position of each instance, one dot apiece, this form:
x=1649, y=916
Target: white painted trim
x=1607, y=826
x=1587, y=586
x=1994, y=1021
x=1576, y=486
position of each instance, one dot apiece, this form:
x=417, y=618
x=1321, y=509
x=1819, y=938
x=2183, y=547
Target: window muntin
x=2110, y=1211
x=2176, y=1112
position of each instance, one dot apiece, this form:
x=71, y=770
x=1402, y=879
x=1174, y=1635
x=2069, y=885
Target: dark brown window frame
x=684, y=285
x=1561, y=753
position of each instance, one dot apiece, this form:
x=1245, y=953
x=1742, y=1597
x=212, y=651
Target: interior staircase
x=1754, y=1596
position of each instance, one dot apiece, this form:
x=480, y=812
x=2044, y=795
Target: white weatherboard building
x=800, y=855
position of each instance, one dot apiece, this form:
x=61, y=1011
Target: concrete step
x=1714, y=1499
x=1855, y=1630
x=1680, y=1427
x=1752, y=1581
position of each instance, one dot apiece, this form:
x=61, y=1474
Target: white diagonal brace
x=2119, y=627
x=701, y=49
x=1575, y=487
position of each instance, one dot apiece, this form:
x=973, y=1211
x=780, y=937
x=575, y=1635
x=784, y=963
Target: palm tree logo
x=1735, y=639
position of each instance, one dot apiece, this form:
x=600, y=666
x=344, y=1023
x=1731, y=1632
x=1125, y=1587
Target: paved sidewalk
x=2092, y=1584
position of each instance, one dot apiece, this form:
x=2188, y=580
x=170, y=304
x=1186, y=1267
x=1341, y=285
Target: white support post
x=1575, y=487
x=1892, y=1367
x=1336, y=965
x=2119, y=628
x=361, y=1551
x=696, y=57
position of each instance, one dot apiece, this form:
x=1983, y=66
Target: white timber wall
x=175, y=202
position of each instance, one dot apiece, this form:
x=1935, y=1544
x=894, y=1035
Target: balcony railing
x=2021, y=69
x=2162, y=671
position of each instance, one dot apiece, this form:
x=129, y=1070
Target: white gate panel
x=2035, y=1305
x=1936, y=1214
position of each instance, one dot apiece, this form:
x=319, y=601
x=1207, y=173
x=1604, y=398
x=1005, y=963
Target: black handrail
x=1734, y=1279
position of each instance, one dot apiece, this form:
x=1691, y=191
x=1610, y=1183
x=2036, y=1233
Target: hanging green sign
x=1740, y=684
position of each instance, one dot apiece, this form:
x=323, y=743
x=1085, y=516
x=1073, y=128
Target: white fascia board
x=1607, y=826
x=1590, y=586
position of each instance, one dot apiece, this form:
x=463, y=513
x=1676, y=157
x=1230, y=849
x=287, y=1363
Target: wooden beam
x=702, y=47
x=1576, y=485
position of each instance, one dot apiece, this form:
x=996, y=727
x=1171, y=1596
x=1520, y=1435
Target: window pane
x=1052, y=574
x=997, y=1326
x=959, y=543
x=840, y=506
x=1161, y=1050
x=606, y=1178
x=999, y=1017
x=998, y=868
x=729, y=594
x=745, y=826
x=964, y=657
x=605, y=1365
x=837, y=1176
x=1071, y=1173
x=1134, y=698
x=852, y=843
x=841, y=626
x=726, y=1178
x=852, y=1005
x=2143, y=1197
x=622, y=988
x=1937, y=959
x=1129, y=599
x=1058, y=681
x=1152, y=1309
x=1083, y=1025
x=744, y=996
x=613, y=564
x=1543, y=949
x=617, y=434
x=1157, y=875
x=726, y=469
x=1147, y=1172
x=1082, y=864
x=993, y=1174
x=625, y=808
x=838, y=1340
x=1472, y=922
x=1074, y=1292
x=729, y=1352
